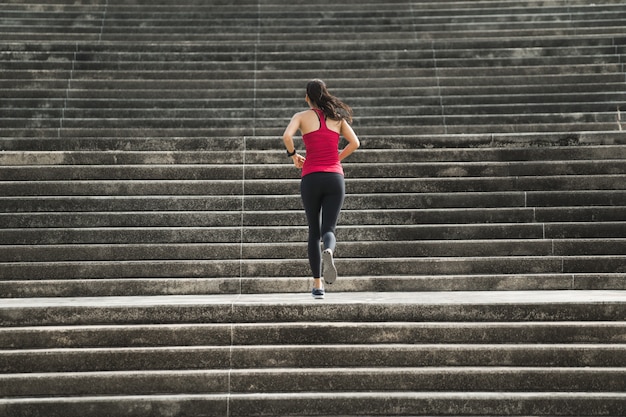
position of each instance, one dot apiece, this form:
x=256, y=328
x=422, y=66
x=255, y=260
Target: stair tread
x=398, y=298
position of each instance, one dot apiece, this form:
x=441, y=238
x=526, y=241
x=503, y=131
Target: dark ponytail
x=332, y=107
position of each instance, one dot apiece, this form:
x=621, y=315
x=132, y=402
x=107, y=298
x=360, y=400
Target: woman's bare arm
x=351, y=137
x=291, y=129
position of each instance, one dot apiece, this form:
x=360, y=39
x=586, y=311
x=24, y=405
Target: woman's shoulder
x=306, y=112
x=306, y=116
x=300, y=115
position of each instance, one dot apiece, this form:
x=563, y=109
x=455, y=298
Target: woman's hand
x=298, y=160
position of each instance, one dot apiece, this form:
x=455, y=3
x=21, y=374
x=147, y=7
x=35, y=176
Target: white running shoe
x=330, y=271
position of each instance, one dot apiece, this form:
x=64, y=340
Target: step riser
x=319, y=405
x=254, y=172
x=224, y=251
x=229, y=312
x=300, y=268
x=438, y=128
x=121, y=187
x=458, y=111
x=291, y=218
x=276, y=235
x=45, y=106
x=255, y=285
x=98, y=203
x=383, y=356
x=306, y=381
x=305, y=335
x=392, y=44
x=460, y=156
x=410, y=143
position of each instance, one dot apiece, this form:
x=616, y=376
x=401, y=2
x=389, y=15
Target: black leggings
x=322, y=196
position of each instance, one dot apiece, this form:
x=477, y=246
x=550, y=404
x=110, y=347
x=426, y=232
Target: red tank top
x=322, y=153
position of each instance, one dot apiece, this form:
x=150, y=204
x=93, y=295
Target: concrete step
x=280, y=362
x=34, y=251
x=372, y=201
x=419, y=56
x=322, y=404
x=540, y=334
x=368, y=115
x=272, y=268
x=531, y=155
x=494, y=306
x=267, y=171
x=222, y=128
x=429, y=146
x=222, y=189
x=122, y=286
x=304, y=380
x=493, y=159
x=400, y=125
x=132, y=75
x=292, y=217
x=559, y=45
x=276, y=234
x=188, y=76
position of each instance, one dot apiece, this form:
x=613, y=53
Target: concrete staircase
x=152, y=240
x=454, y=353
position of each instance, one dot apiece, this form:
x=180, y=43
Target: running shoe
x=330, y=272
x=318, y=293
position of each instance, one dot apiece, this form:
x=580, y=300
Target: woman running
x=322, y=185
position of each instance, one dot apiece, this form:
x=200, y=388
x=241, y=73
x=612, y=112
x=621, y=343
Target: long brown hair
x=332, y=107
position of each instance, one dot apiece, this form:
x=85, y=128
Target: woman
x=322, y=186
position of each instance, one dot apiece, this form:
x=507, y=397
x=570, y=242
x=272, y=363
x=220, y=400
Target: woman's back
x=310, y=122
x=321, y=143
